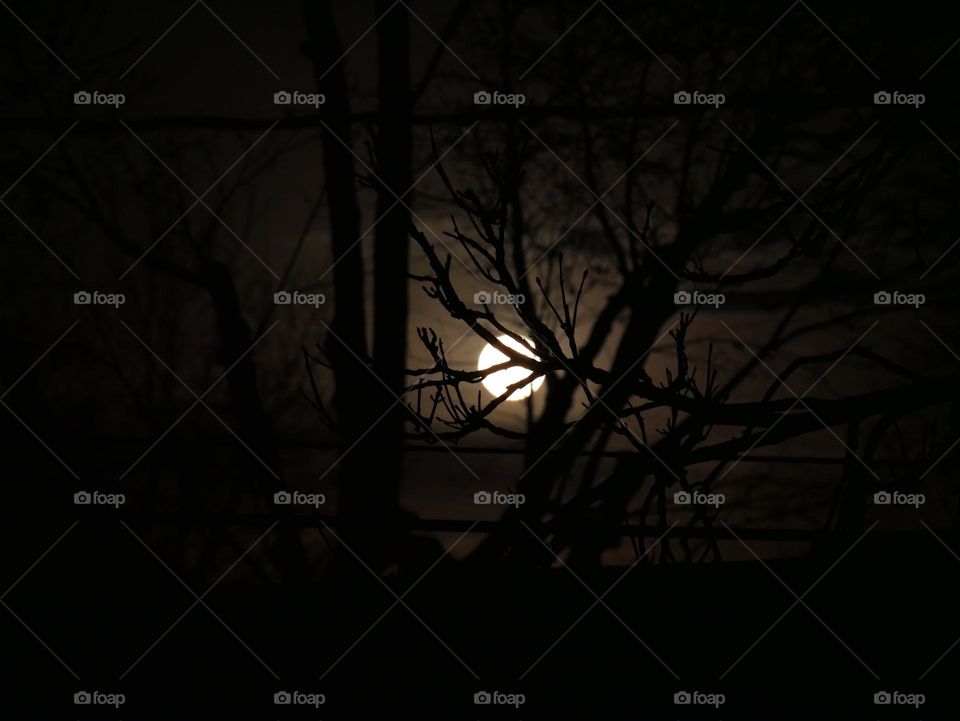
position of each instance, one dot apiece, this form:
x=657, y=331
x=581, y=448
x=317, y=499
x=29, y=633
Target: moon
x=497, y=383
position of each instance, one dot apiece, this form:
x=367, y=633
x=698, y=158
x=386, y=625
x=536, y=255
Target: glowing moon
x=497, y=383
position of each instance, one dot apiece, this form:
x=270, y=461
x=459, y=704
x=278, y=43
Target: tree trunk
x=393, y=152
x=368, y=471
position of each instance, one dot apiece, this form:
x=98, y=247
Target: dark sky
x=230, y=68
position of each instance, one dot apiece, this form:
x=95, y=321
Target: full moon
x=497, y=383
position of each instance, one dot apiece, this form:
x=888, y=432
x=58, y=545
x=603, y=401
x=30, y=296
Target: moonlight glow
x=497, y=383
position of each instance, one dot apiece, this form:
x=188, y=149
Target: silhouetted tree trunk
x=369, y=469
x=393, y=153
x=349, y=319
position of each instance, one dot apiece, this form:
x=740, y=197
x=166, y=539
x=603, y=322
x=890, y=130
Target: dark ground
x=890, y=600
